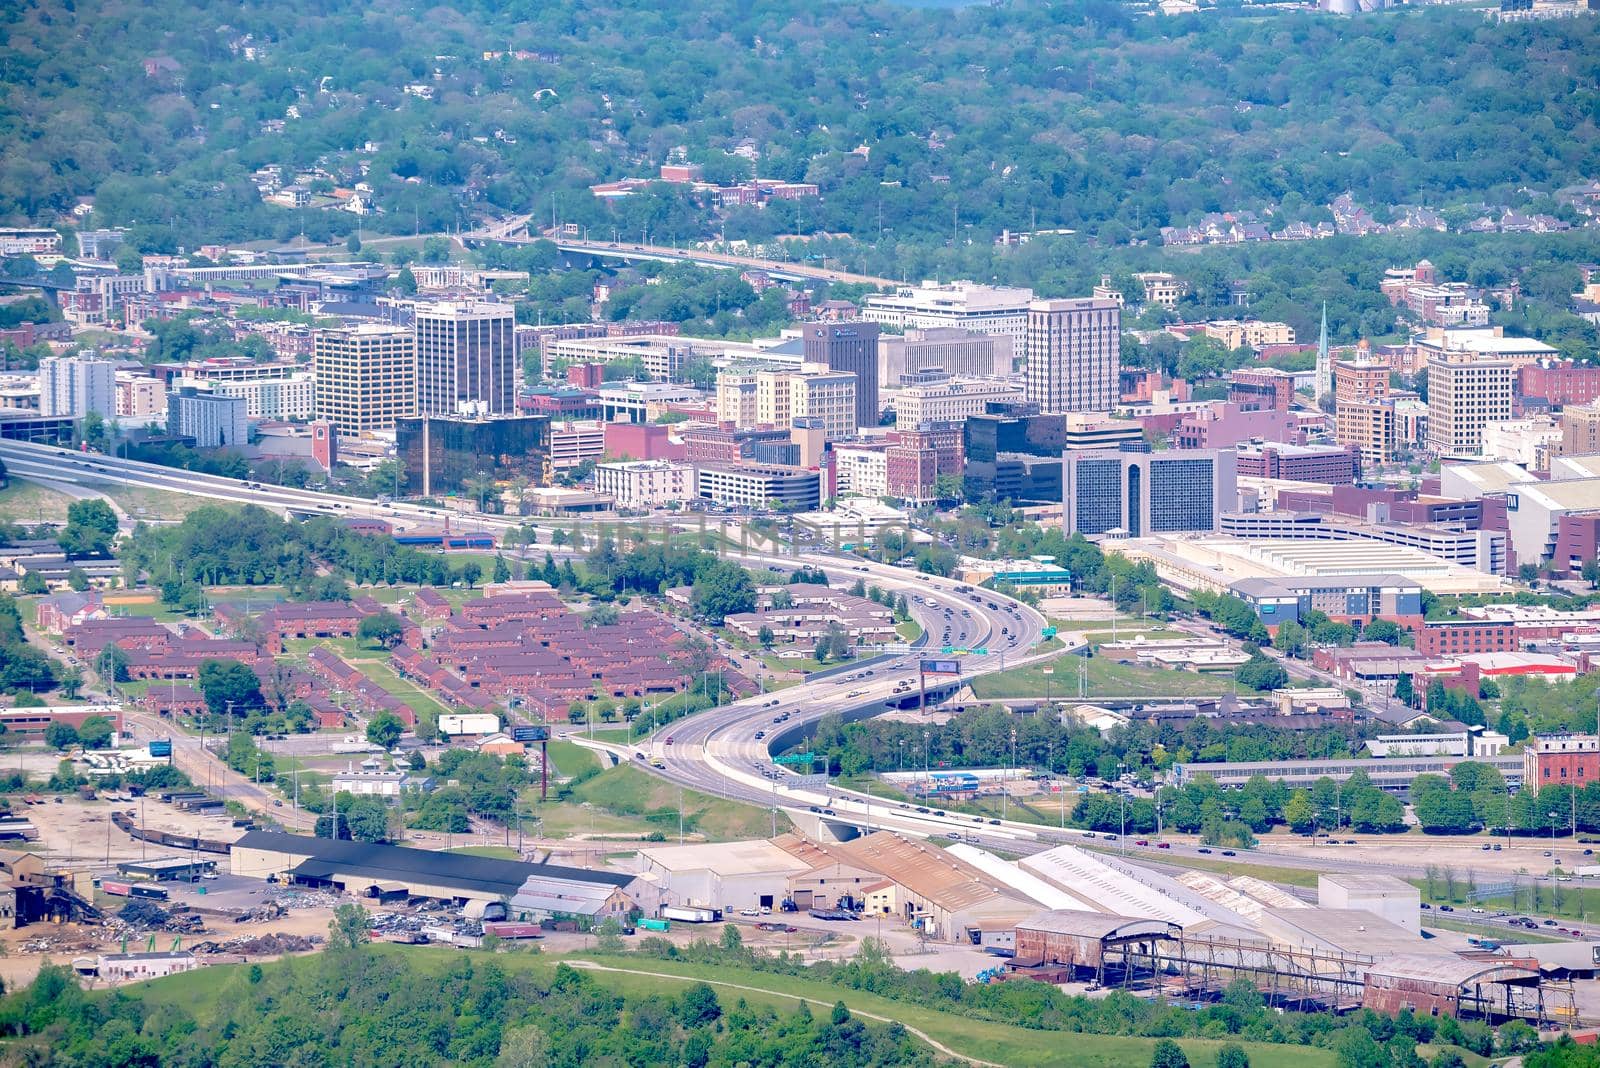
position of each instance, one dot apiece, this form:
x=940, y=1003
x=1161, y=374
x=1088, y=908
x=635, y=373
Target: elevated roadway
x=624, y=252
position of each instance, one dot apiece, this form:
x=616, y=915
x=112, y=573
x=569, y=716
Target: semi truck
x=690, y=914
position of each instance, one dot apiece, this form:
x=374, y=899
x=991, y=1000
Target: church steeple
x=1324, y=384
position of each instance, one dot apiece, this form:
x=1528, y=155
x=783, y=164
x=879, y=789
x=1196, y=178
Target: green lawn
x=980, y=1039
x=629, y=792
x=30, y=502
x=352, y=649
x=384, y=675
x=569, y=758
x=1106, y=679
x=910, y=630
x=497, y=852
x=204, y=991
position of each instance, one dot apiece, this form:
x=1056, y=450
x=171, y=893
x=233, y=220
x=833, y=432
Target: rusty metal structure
x=1157, y=956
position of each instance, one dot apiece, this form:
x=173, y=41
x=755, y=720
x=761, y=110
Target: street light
x=1553, y=818
x=1122, y=792
x=1047, y=673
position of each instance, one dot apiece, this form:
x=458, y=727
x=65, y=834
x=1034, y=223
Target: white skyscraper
x=1074, y=354
x=75, y=386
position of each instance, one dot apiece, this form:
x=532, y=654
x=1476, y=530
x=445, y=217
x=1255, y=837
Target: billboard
x=940, y=667
x=530, y=734
x=161, y=747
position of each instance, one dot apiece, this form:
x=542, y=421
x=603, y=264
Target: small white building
x=1385, y=896
x=474, y=724
x=132, y=967
x=728, y=875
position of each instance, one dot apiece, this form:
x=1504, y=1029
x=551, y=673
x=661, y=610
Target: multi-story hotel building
x=1466, y=391
x=1074, y=354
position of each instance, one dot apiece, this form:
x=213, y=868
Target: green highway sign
x=796, y=758
x=981, y=651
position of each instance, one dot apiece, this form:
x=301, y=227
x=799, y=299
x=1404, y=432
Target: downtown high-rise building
x=466, y=359
x=852, y=347
x=1074, y=350
x=366, y=376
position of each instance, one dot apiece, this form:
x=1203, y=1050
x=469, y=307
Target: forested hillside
x=915, y=122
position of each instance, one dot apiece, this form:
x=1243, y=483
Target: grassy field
x=910, y=630
x=1106, y=679
x=497, y=852
x=204, y=992
x=155, y=504
x=626, y=791
x=29, y=502
x=569, y=758
x=384, y=676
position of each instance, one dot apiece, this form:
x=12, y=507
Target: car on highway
x=1229, y=853
x=1204, y=849
x=1163, y=845
x=669, y=739
x=760, y=735
x=1142, y=842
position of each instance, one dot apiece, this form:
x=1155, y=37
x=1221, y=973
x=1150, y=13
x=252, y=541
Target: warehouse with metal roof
x=371, y=870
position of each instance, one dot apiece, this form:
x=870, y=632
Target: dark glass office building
x=1014, y=457
x=852, y=347
x=439, y=454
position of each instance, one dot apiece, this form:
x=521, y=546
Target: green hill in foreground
x=705, y=1004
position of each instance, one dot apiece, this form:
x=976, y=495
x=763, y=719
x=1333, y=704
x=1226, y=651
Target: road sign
x=796, y=758
x=530, y=734
x=801, y=782
x=982, y=650
x=947, y=650
x=939, y=667
x=1048, y=632
x=161, y=747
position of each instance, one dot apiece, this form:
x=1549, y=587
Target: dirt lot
x=1462, y=853
x=77, y=830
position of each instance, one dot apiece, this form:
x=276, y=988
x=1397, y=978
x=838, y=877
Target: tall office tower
x=849, y=347
x=466, y=359
x=1465, y=392
x=366, y=376
x=1074, y=354
x=74, y=386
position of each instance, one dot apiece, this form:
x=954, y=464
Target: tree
x=350, y=928
x=471, y=572
x=32, y=583
x=230, y=686
x=698, y=1006
x=78, y=579
x=60, y=736
x=602, y=615
x=71, y=683
x=1168, y=1054
x=382, y=628
x=91, y=524
x=608, y=936
x=1290, y=639
x=112, y=664
x=1591, y=572
x=1405, y=690
x=1261, y=674
x=1232, y=1056
x=765, y=637
x=524, y=1047
x=722, y=589
x=385, y=729
x=1382, y=630
x=1298, y=812
x=406, y=282
x=502, y=571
